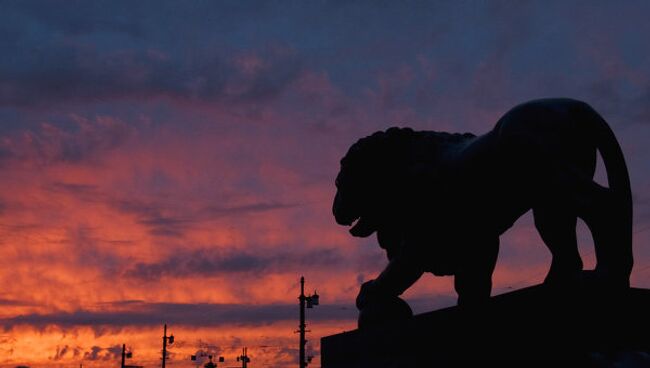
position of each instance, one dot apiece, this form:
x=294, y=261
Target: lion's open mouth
x=362, y=227
x=353, y=222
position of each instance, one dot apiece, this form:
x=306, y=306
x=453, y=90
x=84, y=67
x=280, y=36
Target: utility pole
x=123, y=355
x=164, y=357
x=165, y=340
x=302, y=323
x=310, y=300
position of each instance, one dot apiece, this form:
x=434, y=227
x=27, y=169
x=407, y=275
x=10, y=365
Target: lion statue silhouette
x=438, y=202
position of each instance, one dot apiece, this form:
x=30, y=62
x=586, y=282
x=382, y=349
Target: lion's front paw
x=384, y=310
x=367, y=292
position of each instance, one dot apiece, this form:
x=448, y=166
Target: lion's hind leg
x=609, y=221
x=605, y=215
x=556, y=225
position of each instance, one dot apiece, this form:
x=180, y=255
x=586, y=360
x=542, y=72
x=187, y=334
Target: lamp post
x=308, y=301
x=166, y=339
x=125, y=355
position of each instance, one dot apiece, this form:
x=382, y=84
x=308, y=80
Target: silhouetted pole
x=165, y=340
x=302, y=323
x=310, y=302
x=244, y=358
x=164, y=357
x=244, y=363
x=123, y=355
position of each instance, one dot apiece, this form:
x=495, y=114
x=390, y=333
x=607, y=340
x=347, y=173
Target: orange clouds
x=53, y=347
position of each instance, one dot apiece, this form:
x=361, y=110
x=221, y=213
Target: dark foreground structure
x=533, y=327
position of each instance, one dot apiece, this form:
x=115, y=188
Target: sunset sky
x=175, y=161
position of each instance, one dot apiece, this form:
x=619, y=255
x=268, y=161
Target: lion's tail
x=617, y=254
x=618, y=178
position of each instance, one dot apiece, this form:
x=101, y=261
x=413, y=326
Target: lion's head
x=367, y=170
x=380, y=172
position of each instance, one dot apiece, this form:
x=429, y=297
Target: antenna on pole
x=244, y=358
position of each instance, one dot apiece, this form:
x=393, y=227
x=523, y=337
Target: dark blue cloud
x=187, y=314
x=217, y=211
x=71, y=74
x=115, y=315
x=169, y=219
x=15, y=302
x=76, y=52
x=491, y=55
x=214, y=262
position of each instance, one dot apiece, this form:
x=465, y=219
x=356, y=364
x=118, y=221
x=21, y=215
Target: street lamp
x=312, y=300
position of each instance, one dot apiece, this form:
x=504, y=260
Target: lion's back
x=560, y=127
x=549, y=119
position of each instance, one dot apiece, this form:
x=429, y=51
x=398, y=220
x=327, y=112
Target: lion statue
x=438, y=202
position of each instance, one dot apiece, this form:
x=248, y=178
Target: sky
x=174, y=162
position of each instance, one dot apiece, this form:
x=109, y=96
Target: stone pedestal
x=532, y=327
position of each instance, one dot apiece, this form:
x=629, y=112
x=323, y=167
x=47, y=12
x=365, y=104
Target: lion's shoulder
x=438, y=147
